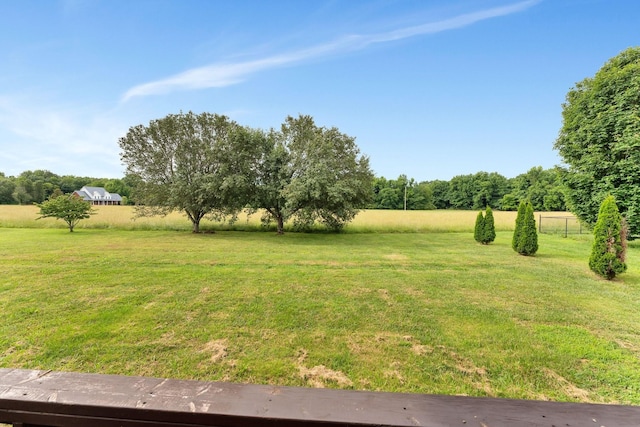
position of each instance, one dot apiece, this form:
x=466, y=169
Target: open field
x=412, y=312
x=122, y=217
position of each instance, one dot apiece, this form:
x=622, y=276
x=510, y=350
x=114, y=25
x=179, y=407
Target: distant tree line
x=542, y=187
x=37, y=186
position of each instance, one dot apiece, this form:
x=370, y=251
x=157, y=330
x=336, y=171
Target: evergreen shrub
x=525, y=236
x=485, y=229
x=609, y=241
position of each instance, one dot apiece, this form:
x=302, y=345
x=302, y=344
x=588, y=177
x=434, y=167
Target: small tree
x=489, y=229
x=525, y=237
x=485, y=230
x=70, y=208
x=608, y=251
x=478, y=231
x=522, y=208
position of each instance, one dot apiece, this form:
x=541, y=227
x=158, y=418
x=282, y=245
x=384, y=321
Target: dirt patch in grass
x=394, y=372
x=628, y=346
x=466, y=365
x=8, y=352
x=477, y=375
x=567, y=387
x=319, y=375
x=217, y=349
x=384, y=294
x=421, y=350
x=168, y=339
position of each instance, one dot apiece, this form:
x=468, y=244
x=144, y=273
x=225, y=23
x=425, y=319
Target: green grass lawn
x=414, y=312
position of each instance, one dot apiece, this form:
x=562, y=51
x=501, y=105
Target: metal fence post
x=540, y=224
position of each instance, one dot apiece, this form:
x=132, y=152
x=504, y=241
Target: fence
x=564, y=225
x=30, y=398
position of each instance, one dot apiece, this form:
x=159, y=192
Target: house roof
x=98, y=193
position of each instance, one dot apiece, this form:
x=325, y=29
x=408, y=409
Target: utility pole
x=405, y=196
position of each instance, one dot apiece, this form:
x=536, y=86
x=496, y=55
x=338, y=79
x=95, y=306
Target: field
x=123, y=217
x=404, y=301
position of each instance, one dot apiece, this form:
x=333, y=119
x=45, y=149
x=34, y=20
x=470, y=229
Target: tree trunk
x=280, y=224
x=195, y=218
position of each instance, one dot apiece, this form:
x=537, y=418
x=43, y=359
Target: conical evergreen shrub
x=478, y=231
x=485, y=229
x=489, y=229
x=519, y=221
x=525, y=237
x=609, y=235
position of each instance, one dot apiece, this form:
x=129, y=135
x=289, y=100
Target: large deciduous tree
x=542, y=187
x=600, y=140
x=201, y=164
x=477, y=191
x=7, y=187
x=311, y=173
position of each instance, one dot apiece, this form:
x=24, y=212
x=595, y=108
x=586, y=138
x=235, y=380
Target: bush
x=518, y=228
x=479, y=228
x=485, y=229
x=489, y=234
x=525, y=236
x=609, y=241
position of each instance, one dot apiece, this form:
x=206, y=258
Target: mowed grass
x=410, y=312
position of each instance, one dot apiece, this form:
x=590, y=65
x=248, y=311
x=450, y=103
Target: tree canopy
x=311, y=173
x=477, y=191
x=542, y=187
x=401, y=193
x=600, y=140
x=208, y=165
x=69, y=207
x=200, y=164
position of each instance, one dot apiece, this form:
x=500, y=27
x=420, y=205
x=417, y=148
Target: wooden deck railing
x=44, y=398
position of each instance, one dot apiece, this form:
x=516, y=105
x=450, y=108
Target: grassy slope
x=429, y=312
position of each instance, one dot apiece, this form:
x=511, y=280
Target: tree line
x=542, y=187
x=37, y=186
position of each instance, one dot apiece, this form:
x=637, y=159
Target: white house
x=98, y=196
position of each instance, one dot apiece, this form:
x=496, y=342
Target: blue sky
x=429, y=88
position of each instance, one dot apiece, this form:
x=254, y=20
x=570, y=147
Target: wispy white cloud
x=227, y=74
x=50, y=137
